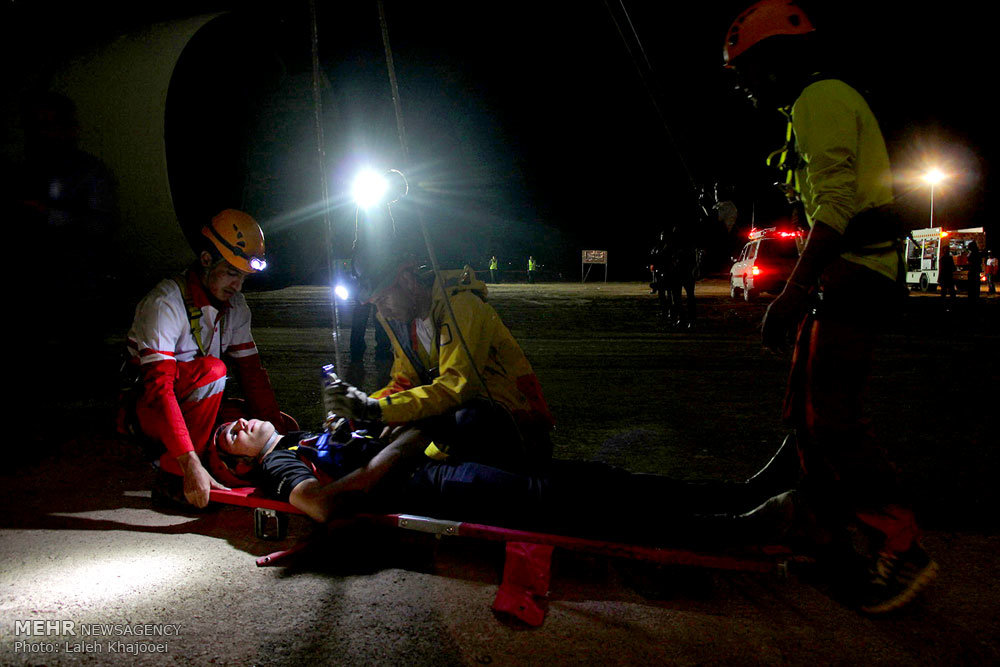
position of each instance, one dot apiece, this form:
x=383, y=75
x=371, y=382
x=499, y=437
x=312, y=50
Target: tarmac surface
x=82, y=545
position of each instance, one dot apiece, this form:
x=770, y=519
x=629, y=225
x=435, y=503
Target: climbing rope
x=401, y=129
x=324, y=187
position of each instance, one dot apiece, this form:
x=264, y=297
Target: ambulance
x=924, y=249
x=765, y=262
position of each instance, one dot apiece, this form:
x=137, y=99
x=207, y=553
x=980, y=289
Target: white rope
x=401, y=129
x=324, y=187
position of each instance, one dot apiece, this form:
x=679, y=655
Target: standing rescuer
x=846, y=280
x=494, y=269
x=181, y=330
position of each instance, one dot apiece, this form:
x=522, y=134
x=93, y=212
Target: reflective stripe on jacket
x=161, y=337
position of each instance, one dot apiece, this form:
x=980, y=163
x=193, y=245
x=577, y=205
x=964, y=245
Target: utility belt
x=881, y=224
x=850, y=291
x=878, y=231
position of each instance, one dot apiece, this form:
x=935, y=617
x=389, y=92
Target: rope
x=644, y=76
x=401, y=129
x=324, y=191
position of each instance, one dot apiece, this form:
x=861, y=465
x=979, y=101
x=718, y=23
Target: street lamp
x=932, y=178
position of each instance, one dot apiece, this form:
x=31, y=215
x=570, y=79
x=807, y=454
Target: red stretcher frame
x=528, y=554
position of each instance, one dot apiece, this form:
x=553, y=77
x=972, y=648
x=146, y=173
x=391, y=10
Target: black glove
x=347, y=400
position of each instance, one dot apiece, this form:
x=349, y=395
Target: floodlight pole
x=932, y=205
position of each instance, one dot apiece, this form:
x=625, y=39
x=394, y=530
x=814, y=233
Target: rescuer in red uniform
x=180, y=333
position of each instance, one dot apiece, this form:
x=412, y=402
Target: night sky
x=531, y=131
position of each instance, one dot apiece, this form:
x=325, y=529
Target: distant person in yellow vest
x=532, y=266
x=494, y=269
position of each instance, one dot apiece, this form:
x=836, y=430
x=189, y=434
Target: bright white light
x=934, y=176
x=87, y=579
x=341, y=292
x=257, y=264
x=369, y=188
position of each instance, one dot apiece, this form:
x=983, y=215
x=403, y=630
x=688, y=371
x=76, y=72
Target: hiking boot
x=896, y=578
x=781, y=473
x=775, y=517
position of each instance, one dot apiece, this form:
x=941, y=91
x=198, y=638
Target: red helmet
x=764, y=19
x=222, y=466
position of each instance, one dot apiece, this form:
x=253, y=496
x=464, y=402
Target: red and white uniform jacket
x=161, y=342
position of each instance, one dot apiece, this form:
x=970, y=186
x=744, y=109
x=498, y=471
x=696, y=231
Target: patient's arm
x=322, y=502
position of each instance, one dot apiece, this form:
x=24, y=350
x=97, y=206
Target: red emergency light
x=772, y=232
x=755, y=270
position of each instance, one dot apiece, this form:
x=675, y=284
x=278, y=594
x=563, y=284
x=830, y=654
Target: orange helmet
x=238, y=238
x=764, y=19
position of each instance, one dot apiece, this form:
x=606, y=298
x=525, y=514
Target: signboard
x=593, y=257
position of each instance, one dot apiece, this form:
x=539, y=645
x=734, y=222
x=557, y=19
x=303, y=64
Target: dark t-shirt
x=302, y=455
x=586, y=498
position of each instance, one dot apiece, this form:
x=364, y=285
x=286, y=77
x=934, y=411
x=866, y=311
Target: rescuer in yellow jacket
x=845, y=283
x=479, y=400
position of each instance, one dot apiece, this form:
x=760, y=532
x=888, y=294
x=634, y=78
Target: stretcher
x=527, y=564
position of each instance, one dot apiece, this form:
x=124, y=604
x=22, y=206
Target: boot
x=775, y=521
x=782, y=472
x=787, y=518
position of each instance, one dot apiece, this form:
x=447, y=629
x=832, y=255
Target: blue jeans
x=585, y=498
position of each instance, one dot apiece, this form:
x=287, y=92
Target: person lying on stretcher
x=336, y=473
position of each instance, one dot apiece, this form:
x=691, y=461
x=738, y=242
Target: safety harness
x=130, y=378
x=786, y=160
x=879, y=225
x=193, y=312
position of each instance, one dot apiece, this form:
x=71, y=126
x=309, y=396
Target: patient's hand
x=391, y=432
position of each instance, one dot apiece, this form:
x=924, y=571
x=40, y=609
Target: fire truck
x=924, y=250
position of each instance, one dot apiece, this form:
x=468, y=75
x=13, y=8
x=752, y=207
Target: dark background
x=530, y=129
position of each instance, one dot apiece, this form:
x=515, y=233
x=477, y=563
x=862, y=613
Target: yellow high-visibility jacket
x=422, y=388
x=844, y=168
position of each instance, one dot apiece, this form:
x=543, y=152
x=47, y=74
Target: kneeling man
x=181, y=331
x=458, y=373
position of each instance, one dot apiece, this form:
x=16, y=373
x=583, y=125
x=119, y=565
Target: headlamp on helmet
x=238, y=238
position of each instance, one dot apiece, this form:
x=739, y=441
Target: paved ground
x=81, y=543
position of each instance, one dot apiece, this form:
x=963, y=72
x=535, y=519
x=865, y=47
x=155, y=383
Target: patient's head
x=244, y=437
x=236, y=448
